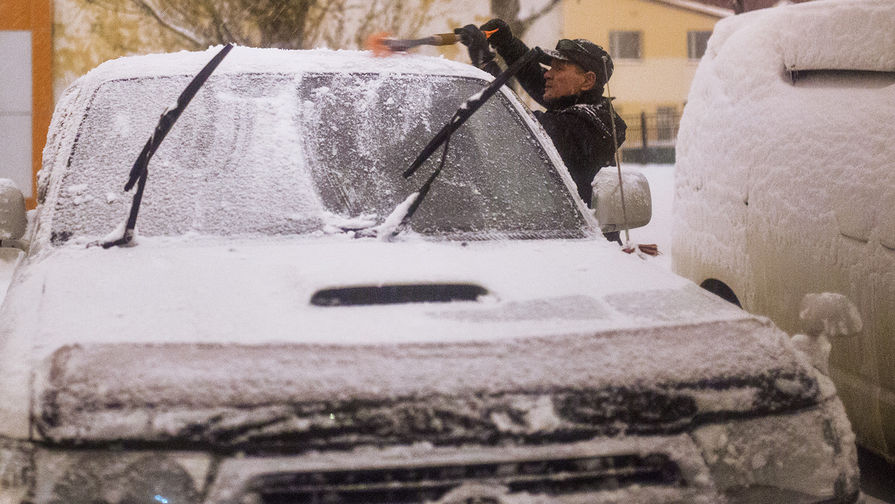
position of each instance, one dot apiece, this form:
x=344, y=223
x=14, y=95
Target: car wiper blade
x=472, y=104
x=469, y=107
x=139, y=171
x=401, y=215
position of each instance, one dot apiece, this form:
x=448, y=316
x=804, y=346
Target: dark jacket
x=580, y=126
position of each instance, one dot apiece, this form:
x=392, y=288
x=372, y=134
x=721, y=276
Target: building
x=26, y=89
x=656, y=46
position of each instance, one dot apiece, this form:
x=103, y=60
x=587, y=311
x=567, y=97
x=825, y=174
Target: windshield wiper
x=469, y=107
x=139, y=171
x=407, y=208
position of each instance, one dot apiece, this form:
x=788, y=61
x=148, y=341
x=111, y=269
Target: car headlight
x=107, y=477
x=806, y=457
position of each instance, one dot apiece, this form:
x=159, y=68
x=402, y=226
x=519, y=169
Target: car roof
x=271, y=60
x=817, y=35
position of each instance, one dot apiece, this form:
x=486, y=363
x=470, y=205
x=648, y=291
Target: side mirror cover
x=13, y=219
x=829, y=314
x=825, y=315
x=607, y=200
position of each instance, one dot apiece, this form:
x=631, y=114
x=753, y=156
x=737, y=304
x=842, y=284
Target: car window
x=275, y=154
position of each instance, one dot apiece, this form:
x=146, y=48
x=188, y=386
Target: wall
x=26, y=103
x=662, y=77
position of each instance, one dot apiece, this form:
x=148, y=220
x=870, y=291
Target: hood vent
x=398, y=294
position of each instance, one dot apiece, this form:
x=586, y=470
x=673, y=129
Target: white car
x=276, y=328
x=785, y=185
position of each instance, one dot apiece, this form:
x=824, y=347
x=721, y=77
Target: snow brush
x=382, y=44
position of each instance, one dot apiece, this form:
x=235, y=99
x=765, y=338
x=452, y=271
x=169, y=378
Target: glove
x=500, y=38
x=473, y=38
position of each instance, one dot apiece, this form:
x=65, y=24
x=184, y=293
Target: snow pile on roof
x=700, y=7
x=767, y=134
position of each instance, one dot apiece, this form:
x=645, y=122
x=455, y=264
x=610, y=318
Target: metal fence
x=650, y=138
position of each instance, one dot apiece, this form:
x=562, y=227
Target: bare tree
x=200, y=23
x=509, y=10
x=348, y=23
x=287, y=24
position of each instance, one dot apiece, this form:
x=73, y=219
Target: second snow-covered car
x=274, y=327
x=785, y=184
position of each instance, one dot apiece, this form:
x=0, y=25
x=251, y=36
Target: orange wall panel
x=35, y=16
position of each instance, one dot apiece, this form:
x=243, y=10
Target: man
x=577, y=118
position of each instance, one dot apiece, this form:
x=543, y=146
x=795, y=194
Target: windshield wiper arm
x=139, y=171
x=469, y=107
x=401, y=215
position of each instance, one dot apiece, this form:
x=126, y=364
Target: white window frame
x=619, y=42
x=697, y=40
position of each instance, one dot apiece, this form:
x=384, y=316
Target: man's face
x=564, y=78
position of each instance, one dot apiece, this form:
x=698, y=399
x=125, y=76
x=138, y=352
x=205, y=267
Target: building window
x=696, y=43
x=625, y=45
x=666, y=124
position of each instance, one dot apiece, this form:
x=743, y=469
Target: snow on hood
x=259, y=292
x=201, y=326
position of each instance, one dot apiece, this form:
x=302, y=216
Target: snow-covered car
x=274, y=333
x=784, y=182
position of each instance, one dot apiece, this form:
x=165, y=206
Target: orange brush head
x=377, y=43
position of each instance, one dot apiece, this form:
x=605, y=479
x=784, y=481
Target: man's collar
x=591, y=96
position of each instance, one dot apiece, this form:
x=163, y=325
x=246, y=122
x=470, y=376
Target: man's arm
x=511, y=48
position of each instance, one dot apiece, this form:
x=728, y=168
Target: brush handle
x=441, y=39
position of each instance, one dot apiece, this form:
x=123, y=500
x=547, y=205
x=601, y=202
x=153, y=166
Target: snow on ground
x=658, y=231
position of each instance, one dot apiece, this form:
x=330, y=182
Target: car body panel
x=784, y=182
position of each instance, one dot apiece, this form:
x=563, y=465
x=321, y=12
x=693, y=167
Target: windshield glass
x=277, y=154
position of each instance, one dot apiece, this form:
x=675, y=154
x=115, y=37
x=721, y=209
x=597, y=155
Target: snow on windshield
x=280, y=153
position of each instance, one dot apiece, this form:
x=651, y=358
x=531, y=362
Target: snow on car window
x=275, y=154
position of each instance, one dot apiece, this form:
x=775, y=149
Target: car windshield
x=284, y=154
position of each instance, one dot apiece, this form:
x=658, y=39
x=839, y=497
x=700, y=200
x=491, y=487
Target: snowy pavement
x=658, y=231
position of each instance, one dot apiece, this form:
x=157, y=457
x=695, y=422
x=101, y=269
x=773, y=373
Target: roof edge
x=698, y=7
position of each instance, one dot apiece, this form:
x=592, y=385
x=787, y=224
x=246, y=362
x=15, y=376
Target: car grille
x=419, y=484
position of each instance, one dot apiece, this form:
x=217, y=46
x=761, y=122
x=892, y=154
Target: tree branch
x=153, y=11
x=530, y=20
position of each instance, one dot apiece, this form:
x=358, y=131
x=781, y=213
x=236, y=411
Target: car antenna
x=469, y=107
x=140, y=171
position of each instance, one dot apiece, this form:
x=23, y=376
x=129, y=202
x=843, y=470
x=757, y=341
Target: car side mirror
x=13, y=219
x=607, y=200
x=829, y=314
x=825, y=315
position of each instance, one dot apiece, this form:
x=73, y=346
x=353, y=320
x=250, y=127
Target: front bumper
x=804, y=457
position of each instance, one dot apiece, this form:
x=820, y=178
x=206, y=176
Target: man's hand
x=500, y=33
x=473, y=38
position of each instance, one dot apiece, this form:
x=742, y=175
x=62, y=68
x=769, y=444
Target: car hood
x=244, y=292
x=220, y=343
